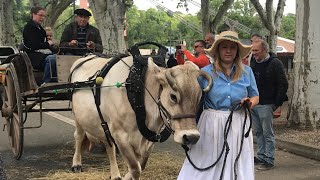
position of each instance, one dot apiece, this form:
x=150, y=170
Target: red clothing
x=201, y=61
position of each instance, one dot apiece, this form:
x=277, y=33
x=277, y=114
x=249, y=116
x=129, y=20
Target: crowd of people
x=240, y=73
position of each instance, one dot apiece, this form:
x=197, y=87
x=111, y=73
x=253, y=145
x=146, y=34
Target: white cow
x=177, y=88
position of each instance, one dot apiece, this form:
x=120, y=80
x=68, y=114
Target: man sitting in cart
x=79, y=37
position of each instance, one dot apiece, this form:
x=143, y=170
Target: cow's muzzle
x=190, y=139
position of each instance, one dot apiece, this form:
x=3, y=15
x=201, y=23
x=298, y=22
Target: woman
x=232, y=82
x=37, y=46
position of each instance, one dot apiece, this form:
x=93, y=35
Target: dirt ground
x=310, y=138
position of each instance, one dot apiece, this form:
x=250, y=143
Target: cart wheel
x=12, y=102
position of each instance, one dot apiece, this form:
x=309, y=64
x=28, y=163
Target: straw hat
x=230, y=36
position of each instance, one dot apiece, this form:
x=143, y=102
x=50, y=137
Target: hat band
x=231, y=37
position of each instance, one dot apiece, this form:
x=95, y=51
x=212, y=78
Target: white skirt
x=207, y=150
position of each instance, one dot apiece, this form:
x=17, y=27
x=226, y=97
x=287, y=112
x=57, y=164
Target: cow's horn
x=208, y=77
x=170, y=80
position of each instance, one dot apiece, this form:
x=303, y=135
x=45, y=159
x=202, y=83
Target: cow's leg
x=144, y=161
x=79, y=136
x=114, y=170
x=133, y=164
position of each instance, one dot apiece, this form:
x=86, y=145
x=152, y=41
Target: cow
x=177, y=89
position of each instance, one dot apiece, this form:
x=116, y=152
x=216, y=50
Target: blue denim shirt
x=224, y=93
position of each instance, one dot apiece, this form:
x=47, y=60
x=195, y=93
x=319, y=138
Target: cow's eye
x=173, y=98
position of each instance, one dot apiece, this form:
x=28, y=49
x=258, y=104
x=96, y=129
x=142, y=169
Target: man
x=199, y=58
x=209, y=39
x=272, y=85
x=254, y=38
x=81, y=36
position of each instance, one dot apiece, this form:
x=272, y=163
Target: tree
x=288, y=29
x=54, y=9
x=243, y=12
x=218, y=17
x=305, y=104
x=6, y=23
x=110, y=18
x=271, y=20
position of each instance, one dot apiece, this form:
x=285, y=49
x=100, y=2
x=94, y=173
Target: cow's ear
x=191, y=64
x=157, y=71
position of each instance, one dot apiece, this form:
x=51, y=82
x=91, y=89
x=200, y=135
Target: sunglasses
x=196, y=46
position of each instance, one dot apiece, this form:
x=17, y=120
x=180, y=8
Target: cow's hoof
x=76, y=169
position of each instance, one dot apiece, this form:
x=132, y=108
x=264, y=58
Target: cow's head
x=180, y=96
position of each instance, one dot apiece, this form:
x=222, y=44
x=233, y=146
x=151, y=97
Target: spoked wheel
x=12, y=107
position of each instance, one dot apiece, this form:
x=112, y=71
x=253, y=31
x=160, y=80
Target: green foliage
x=288, y=24
x=153, y=25
x=64, y=19
x=21, y=16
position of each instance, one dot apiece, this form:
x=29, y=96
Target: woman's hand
x=253, y=101
x=246, y=100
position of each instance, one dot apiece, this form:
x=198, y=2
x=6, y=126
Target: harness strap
x=97, y=95
x=104, y=125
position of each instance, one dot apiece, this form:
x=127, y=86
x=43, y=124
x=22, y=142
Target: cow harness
x=96, y=88
x=97, y=93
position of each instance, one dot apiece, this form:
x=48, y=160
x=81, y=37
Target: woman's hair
x=238, y=70
x=36, y=9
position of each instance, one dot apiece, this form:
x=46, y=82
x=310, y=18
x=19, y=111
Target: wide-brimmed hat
x=230, y=36
x=82, y=12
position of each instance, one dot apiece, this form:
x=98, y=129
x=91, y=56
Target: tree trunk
x=110, y=18
x=6, y=23
x=305, y=106
x=270, y=20
x=205, y=16
x=54, y=9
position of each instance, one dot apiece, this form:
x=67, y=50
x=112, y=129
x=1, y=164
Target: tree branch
x=279, y=13
x=261, y=13
x=205, y=16
x=221, y=12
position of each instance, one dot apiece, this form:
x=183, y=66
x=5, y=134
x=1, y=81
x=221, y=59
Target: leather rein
x=226, y=148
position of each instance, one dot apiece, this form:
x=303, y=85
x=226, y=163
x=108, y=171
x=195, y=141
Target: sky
x=171, y=4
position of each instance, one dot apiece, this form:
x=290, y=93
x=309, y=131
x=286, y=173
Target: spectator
x=37, y=46
x=153, y=52
x=233, y=83
x=55, y=45
x=171, y=61
x=199, y=58
x=272, y=84
x=254, y=37
x=79, y=37
x=209, y=39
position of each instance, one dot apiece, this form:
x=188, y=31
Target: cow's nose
x=190, y=139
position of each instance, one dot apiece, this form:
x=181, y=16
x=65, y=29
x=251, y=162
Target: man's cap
x=82, y=12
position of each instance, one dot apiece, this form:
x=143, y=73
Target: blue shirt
x=224, y=93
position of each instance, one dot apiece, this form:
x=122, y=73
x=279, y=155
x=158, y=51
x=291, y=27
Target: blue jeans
x=262, y=122
x=50, y=70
